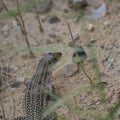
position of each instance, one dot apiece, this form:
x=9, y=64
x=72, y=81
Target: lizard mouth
x=53, y=57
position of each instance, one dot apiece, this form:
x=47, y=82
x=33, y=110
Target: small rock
x=7, y=41
x=27, y=82
x=14, y=23
x=110, y=63
x=75, y=36
x=77, y=3
x=43, y=18
x=106, y=23
x=44, y=7
x=54, y=19
x=66, y=71
x=97, y=102
x=5, y=31
x=53, y=35
x=90, y=27
x=16, y=84
x=99, y=12
x=20, y=79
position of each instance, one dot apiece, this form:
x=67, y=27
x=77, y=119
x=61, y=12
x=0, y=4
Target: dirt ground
x=105, y=38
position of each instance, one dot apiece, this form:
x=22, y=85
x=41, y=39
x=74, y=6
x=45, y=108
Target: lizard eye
x=54, y=59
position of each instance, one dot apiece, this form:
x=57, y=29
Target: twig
x=3, y=111
x=17, y=20
x=37, y=17
x=70, y=31
x=25, y=33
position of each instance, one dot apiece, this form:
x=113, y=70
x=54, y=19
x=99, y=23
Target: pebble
x=20, y=79
x=14, y=23
x=53, y=19
x=66, y=71
x=97, y=102
x=100, y=12
x=53, y=35
x=75, y=36
x=77, y=3
x=16, y=84
x=110, y=63
x=27, y=82
x=44, y=7
x=90, y=27
x=5, y=31
x=7, y=41
x=106, y=23
x=43, y=18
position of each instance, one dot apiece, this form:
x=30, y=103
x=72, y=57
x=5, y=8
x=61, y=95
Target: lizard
x=35, y=98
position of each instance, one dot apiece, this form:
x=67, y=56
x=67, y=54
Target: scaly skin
x=36, y=99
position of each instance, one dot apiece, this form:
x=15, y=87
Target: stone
x=27, y=82
x=75, y=36
x=66, y=71
x=20, y=79
x=77, y=3
x=14, y=23
x=110, y=63
x=5, y=31
x=43, y=18
x=90, y=27
x=44, y=7
x=52, y=35
x=16, y=84
x=7, y=41
x=53, y=19
x=100, y=12
x=106, y=23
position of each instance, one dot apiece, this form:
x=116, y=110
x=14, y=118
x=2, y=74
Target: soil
x=86, y=103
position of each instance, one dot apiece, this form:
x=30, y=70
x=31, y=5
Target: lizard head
x=53, y=57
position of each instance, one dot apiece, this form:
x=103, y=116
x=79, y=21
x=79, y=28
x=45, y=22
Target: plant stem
x=2, y=109
x=83, y=69
x=37, y=17
x=25, y=33
x=5, y=7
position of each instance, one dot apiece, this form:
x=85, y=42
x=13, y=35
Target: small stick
x=37, y=17
x=70, y=31
x=3, y=111
x=5, y=7
x=25, y=33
